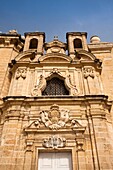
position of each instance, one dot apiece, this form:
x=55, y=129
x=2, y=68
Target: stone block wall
x=80, y=123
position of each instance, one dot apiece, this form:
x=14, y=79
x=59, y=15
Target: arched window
x=33, y=43
x=55, y=86
x=77, y=43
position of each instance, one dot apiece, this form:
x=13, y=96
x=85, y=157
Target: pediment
x=53, y=119
x=87, y=57
x=55, y=46
x=84, y=55
x=55, y=58
x=55, y=43
x=25, y=55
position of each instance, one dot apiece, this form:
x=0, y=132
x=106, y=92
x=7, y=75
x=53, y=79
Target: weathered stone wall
x=81, y=122
x=104, y=52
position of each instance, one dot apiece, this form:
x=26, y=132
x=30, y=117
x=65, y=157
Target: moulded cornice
x=100, y=47
x=76, y=34
x=35, y=34
x=81, y=98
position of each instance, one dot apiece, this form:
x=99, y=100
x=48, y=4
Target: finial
x=13, y=31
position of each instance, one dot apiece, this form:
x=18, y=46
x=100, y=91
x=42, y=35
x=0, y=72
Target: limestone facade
x=55, y=98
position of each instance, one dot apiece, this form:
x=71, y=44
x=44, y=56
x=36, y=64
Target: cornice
x=81, y=98
x=76, y=34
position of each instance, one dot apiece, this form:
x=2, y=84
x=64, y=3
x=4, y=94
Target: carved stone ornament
x=55, y=119
x=21, y=72
x=88, y=71
x=29, y=145
x=54, y=142
x=55, y=70
x=40, y=85
x=79, y=144
x=73, y=88
x=33, y=125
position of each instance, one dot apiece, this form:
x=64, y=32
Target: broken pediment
x=25, y=56
x=87, y=57
x=84, y=55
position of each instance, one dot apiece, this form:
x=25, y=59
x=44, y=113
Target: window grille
x=55, y=86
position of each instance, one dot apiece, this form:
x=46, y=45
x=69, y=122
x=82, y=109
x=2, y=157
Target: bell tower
x=76, y=41
x=34, y=41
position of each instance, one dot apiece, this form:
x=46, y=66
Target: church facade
x=55, y=102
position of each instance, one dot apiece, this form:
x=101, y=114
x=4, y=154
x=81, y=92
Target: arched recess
x=64, y=81
x=77, y=43
x=33, y=43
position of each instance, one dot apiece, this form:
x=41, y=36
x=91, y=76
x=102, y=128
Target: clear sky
x=56, y=17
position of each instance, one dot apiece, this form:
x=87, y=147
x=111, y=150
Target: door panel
x=55, y=161
x=63, y=161
x=46, y=161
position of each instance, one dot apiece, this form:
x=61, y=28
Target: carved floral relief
x=21, y=72
x=88, y=71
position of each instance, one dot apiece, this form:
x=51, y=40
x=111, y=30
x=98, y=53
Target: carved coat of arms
x=55, y=119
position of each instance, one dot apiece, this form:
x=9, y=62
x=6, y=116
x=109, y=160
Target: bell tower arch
x=76, y=41
x=34, y=41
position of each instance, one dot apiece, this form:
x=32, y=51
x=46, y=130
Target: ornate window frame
x=38, y=89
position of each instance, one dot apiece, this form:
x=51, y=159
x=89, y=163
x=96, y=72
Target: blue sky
x=56, y=17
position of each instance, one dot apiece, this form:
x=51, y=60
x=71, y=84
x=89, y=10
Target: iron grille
x=55, y=86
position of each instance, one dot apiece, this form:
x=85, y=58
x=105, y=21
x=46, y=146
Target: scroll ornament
x=54, y=142
x=37, y=88
x=53, y=119
x=73, y=88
